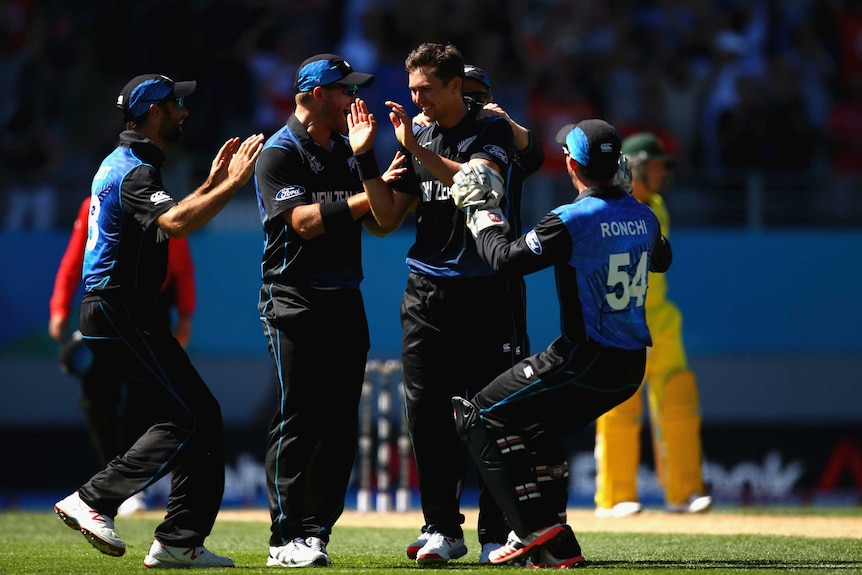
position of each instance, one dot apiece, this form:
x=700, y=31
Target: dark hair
x=444, y=61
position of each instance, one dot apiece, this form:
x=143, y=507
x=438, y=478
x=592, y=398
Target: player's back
x=604, y=284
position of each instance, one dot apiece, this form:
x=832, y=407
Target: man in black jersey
x=529, y=157
x=446, y=284
x=131, y=220
x=313, y=209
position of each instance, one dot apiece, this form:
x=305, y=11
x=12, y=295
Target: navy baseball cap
x=478, y=74
x=141, y=91
x=325, y=69
x=594, y=144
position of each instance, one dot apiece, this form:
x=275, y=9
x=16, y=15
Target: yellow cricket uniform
x=674, y=410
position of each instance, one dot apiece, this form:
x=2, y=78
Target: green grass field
x=39, y=543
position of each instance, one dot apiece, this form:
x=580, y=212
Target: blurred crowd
x=759, y=100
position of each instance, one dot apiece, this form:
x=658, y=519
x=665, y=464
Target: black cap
x=141, y=91
x=594, y=144
x=478, y=74
x=324, y=69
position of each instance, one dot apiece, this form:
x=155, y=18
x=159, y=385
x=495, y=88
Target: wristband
x=366, y=165
x=335, y=215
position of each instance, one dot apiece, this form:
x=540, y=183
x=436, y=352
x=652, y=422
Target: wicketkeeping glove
x=486, y=218
x=477, y=186
x=623, y=177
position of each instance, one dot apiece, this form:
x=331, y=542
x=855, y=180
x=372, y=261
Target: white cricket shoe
x=297, y=553
x=319, y=545
x=97, y=528
x=134, y=504
x=163, y=556
x=440, y=549
x=485, y=555
x=414, y=547
x=621, y=509
x=694, y=504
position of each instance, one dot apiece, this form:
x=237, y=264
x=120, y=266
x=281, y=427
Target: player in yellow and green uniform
x=674, y=405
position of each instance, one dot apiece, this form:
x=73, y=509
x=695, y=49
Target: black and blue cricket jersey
x=124, y=250
x=293, y=170
x=444, y=246
x=602, y=246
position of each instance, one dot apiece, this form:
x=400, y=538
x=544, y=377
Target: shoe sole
x=100, y=544
x=319, y=562
x=152, y=563
x=528, y=549
x=436, y=559
x=552, y=562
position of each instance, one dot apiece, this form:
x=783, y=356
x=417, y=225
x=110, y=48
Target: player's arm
x=662, y=255
x=389, y=207
x=181, y=274
x=547, y=244
x=68, y=275
x=231, y=168
x=441, y=168
x=532, y=156
x=313, y=220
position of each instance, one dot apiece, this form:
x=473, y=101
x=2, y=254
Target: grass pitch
x=38, y=543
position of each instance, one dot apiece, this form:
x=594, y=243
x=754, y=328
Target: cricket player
x=674, y=406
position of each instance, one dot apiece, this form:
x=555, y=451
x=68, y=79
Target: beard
x=170, y=130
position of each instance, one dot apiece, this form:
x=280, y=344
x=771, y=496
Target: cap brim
x=563, y=133
x=184, y=88
x=356, y=78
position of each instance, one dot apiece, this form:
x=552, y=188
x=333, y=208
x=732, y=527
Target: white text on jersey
x=628, y=228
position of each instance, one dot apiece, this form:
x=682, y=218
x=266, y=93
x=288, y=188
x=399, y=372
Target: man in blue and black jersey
x=132, y=218
x=313, y=210
x=446, y=283
x=602, y=246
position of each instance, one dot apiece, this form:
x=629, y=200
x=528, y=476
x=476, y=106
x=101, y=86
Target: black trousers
x=446, y=322
x=318, y=341
x=548, y=397
x=185, y=435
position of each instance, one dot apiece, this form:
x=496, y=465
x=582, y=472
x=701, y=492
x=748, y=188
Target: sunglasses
x=482, y=97
x=351, y=90
x=180, y=101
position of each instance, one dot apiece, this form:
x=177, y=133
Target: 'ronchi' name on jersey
x=329, y=196
x=626, y=228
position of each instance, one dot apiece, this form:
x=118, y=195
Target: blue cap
x=141, y=91
x=325, y=69
x=594, y=144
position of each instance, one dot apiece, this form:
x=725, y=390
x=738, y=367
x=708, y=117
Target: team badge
x=159, y=197
x=533, y=242
x=288, y=193
x=497, y=152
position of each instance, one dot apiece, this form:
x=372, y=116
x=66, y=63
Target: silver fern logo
x=463, y=145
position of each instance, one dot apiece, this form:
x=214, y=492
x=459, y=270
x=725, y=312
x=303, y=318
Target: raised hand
x=396, y=168
x=241, y=165
x=361, y=127
x=403, y=124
